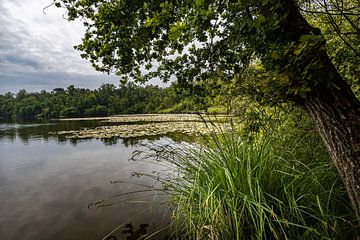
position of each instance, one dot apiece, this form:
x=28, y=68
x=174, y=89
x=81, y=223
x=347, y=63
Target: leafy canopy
x=339, y=21
x=197, y=40
x=191, y=39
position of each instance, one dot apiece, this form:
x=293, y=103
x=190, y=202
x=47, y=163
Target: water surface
x=47, y=183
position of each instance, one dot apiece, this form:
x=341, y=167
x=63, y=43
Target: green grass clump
x=272, y=187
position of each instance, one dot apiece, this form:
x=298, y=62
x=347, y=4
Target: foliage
x=267, y=46
x=106, y=100
x=339, y=23
x=192, y=40
x=199, y=40
x=279, y=185
x=7, y=105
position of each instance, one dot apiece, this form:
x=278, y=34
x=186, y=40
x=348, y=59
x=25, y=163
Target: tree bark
x=336, y=113
x=330, y=101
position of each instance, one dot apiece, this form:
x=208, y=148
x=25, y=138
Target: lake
x=49, y=183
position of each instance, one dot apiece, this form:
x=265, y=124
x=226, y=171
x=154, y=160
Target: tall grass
x=277, y=186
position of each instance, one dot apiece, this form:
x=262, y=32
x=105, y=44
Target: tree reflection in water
x=46, y=131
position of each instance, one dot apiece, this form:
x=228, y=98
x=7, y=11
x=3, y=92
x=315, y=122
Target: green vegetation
x=339, y=23
x=273, y=178
x=133, y=126
x=280, y=44
x=278, y=184
x=104, y=101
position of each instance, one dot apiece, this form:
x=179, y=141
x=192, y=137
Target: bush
x=97, y=111
x=70, y=112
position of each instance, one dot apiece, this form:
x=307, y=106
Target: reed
x=274, y=187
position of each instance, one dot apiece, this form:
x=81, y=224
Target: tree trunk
x=332, y=105
x=336, y=113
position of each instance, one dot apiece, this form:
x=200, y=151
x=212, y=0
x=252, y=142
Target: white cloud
x=49, y=38
x=40, y=45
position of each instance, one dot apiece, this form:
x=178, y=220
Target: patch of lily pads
x=151, y=125
x=134, y=118
x=155, y=118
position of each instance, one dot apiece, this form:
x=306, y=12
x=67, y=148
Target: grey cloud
x=36, y=52
x=13, y=34
x=22, y=61
x=27, y=58
x=38, y=81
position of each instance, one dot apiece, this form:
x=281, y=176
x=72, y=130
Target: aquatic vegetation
x=148, y=125
x=133, y=118
x=155, y=118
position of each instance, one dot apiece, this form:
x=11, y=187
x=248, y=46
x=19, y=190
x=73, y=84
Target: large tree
x=193, y=40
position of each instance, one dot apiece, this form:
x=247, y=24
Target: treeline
x=104, y=101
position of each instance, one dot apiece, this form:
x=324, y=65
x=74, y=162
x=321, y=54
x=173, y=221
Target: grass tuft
x=271, y=187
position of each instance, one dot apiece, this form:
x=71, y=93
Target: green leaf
x=199, y=3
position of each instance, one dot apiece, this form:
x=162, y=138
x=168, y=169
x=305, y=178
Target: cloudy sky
x=36, y=49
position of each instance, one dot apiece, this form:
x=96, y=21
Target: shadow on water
x=132, y=233
x=133, y=141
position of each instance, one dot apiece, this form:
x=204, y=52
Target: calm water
x=47, y=183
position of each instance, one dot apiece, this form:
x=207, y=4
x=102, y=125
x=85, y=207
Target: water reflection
x=133, y=233
x=46, y=185
x=45, y=132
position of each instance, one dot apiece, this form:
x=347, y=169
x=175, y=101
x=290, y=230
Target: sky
x=36, y=49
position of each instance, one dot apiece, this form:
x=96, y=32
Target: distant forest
x=106, y=100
